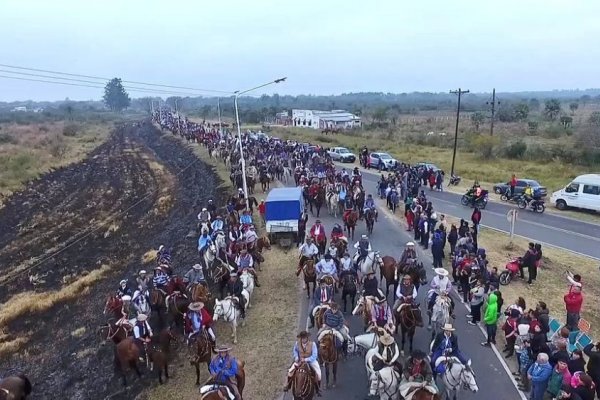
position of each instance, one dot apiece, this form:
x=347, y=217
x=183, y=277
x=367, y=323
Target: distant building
x=283, y=118
x=16, y=109
x=334, y=119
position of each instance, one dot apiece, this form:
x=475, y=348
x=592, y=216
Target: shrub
x=554, y=132
x=70, y=130
x=516, y=149
x=482, y=145
x=58, y=147
x=43, y=129
x=5, y=138
x=533, y=127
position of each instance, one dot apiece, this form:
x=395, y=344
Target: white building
x=316, y=119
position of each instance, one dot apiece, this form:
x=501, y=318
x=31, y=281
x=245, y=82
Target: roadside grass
x=27, y=151
x=265, y=342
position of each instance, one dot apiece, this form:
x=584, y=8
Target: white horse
x=248, y=282
x=333, y=205
x=388, y=383
x=457, y=376
x=210, y=254
x=226, y=308
x=440, y=314
x=220, y=241
x=391, y=384
x=371, y=263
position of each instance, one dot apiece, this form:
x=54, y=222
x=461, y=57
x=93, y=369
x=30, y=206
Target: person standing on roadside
x=491, y=319
x=513, y=184
x=573, y=302
x=476, y=218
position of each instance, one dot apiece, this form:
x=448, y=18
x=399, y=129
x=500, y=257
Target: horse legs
x=334, y=374
x=327, y=376
x=197, y=365
x=159, y=373
x=234, y=332
x=403, y=339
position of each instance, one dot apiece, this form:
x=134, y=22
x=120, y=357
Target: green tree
x=534, y=104
x=68, y=110
x=552, y=109
x=521, y=111
x=115, y=96
x=533, y=127
x=573, y=107
x=594, y=119
x=566, y=121
x=477, y=119
x=507, y=114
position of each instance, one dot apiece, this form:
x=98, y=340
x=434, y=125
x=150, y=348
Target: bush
x=554, y=132
x=44, y=129
x=70, y=130
x=5, y=138
x=482, y=145
x=58, y=147
x=533, y=127
x=515, y=150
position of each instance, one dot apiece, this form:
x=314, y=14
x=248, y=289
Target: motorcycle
x=454, y=180
x=533, y=204
x=506, y=196
x=469, y=199
x=511, y=270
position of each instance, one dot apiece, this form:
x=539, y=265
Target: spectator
x=567, y=392
x=477, y=298
x=559, y=353
x=573, y=302
x=583, y=386
x=525, y=359
x=491, y=320
x=476, y=219
x=576, y=362
x=543, y=316
x=539, y=374
x=464, y=274
x=528, y=261
x=499, y=299
x=437, y=248
x=519, y=305
x=593, y=365
x=575, y=281
x=262, y=209
x=538, y=342
x=560, y=376
x=463, y=228
x=513, y=183
x=493, y=279
x=538, y=255
x=510, y=329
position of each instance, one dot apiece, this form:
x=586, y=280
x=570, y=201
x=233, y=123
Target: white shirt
x=136, y=330
x=308, y=250
x=441, y=284
x=346, y=263
x=317, y=230
x=325, y=267
x=400, y=296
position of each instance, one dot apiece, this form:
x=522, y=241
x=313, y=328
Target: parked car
x=428, y=166
x=381, y=161
x=341, y=154
x=500, y=188
x=582, y=192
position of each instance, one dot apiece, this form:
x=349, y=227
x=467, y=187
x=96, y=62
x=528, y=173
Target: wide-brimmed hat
x=196, y=306
x=222, y=349
x=448, y=327
x=387, y=339
x=161, y=247
x=410, y=244
x=441, y=271
x=418, y=354
x=142, y=317
x=197, y=267
x=303, y=334
x=364, y=237
x=126, y=298
x=123, y=281
x=142, y=271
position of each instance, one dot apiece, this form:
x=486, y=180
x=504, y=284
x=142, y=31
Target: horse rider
x=326, y=267
x=408, y=253
x=370, y=285
x=140, y=302
x=198, y=319
x=124, y=289
x=363, y=247
x=440, y=284
x=163, y=255
x=446, y=344
x=347, y=266
x=160, y=279
x=370, y=205
x=348, y=205
x=355, y=173
x=217, y=225
x=250, y=237
x=406, y=292
x=381, y=314
x=204, y=217
x=245, y=262
x=223, y=369
x=211, y=207
x=305, y=350
x=317, y=232
x=337, y=232
x=195, y=276
x=245, y=220
x=417, y=374
x=204, y=241
x=307, y=251
x=142, y=334
x=241, y=194
x=333, y=319
x=235, y=289
x=235, y=235
x=127, y=313
x=322, y=296
x=142, y=280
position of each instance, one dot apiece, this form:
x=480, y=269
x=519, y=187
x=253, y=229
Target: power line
x=107, y=79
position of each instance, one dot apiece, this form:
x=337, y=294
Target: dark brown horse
x=340, y=246
x=263, y=243
x=310, y=276
x=114, y=332
x=158, y=304
x=350, y=223
x=370, y=220
x=408, y=318
x=113, y=306
x=348, y=284
x=200, y=352
x=159, y=353
x=127, y=354
x=416, y=271
x=423, y=394
x=317, y=200
x=221, y=392
x=15, y=387
x=199, y=292
x=388, y=271
x=177, y=306
x=328, y=355
x=303, y=383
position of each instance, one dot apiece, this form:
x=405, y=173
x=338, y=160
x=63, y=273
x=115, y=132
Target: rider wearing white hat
x=440, y=284
x=142, y=332
x=142, y=281
x=363, y=247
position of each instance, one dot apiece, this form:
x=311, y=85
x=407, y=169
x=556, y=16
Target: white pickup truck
x=341, y=154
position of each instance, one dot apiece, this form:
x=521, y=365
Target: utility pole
x=219, y=112
x=494, y=103
x=460, y=92
x=159, y=114
x=152, y=107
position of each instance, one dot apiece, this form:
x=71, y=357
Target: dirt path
x=67, y=239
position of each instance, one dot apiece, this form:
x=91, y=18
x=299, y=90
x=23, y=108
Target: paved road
x=389, y=238
x=567, y=233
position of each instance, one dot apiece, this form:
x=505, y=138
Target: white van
x=582, y=192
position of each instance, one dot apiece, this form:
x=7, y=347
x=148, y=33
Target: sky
x=322, y=47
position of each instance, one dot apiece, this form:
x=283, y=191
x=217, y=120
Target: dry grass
x=149, y=256
x=34, y=302
x=10, y=345
x=79, y=332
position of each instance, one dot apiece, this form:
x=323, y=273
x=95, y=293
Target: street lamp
x=237, y=118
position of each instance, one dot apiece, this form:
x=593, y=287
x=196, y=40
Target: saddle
x=207, y=389
x=338, y=337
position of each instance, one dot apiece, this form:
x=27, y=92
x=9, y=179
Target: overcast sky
x=323, y=47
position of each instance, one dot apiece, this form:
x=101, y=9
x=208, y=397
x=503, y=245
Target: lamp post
x=239, y=130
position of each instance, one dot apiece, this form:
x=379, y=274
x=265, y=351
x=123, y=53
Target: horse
x=310, y=276
x=408, y=317
x=388, y=271
x=209, y=256
x=157, y=303
x=15, y=387
x=321, y=244
x=220, y=242
x=388, y=382
x=317, y=200
x=333, y=203
x=265, y=181
x=227, y=309
x=114, y=332
x=159, y=351
x=329, y=355
x=177, y=305
x=457, y=376
x=113, y=306
x=350, y=223
x=439, y=315
x=221, y=275
x=348, y=289
x=248, y=282
x=303, y=383
x=417, y=273
x=199, y=292
x=126, y=356
x=200, y=351
x=219, y=392
x=141, y=304
x=362, y=309
x=341, y=246
x=263, y=243
x=370, y=220
x=370, y=263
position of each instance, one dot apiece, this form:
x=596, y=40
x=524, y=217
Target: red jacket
x=573, y=302
x=322, y=235
x=206, y=320
x=262, y=208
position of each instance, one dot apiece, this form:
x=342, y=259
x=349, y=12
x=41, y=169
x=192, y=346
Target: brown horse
x=177, y=306
x=303, y=382
x=388, y=271
x=114, y=332
x=263, y=243
x=113, y=306
x=221, y=392
x=341, y=246
x=200, y=351
x=350, y=223
x=126, y=357
x=328, y=355
x=370, y=220
x=159, y=352
x=423, y=394
x=15, y=387
x=310, y=276
x=158, y=304
x=409, y=317
x=199, y=292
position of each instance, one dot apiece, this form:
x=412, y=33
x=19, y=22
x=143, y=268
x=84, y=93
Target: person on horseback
x=160, y=279
x=333, y=319
x=317, y=232
x=245, y=262
x=348, y=205
x=382, y=315
x=204, y=216
x=305, y=350
x=307, y=251
x=337, y=232
x=406, y=292
x=194, y=276
x=347, y=266
x=223, y=370
x=142, y=333
x=446, y=344
x=417, y=374
x=198, y=319
x=241, y=195
x=235, y=289
x=355, y=172
x=143, y=281
x=245, y=220
x=370, y=285
x=217, y=225
x=326, y=267
x=211, y=207
x=408, y=253
x=127, y=313
x=163, y=256
x=363, y=247
x=370, y=205
x=204, y=241
x=440, y=284
x=250, y=237
x=235, y=235
x=321, y=298
x=124, y=289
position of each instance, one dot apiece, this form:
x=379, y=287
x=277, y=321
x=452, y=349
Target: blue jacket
x=336, y=320
x=223, y=367
x=540, y=373
x=204, y=241
x=217, y=225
